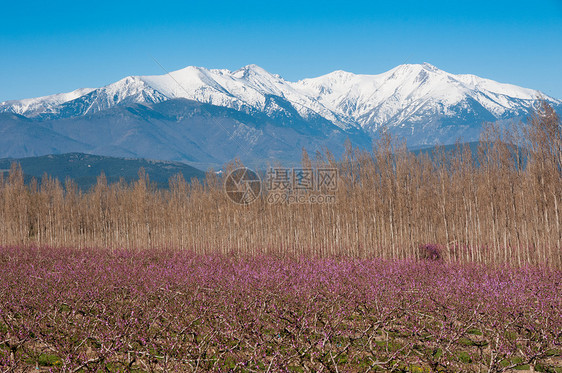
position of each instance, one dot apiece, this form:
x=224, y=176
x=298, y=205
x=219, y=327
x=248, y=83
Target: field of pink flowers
x=94, y=310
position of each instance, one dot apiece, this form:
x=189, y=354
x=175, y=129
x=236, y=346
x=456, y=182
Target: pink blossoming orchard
x=443, y=262
x=92, y=310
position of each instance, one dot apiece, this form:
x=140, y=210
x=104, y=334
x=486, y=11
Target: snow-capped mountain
x=419, y=102
x=42, y=105
x=395, y=97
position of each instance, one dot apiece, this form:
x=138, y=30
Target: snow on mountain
x=420, y=102
x=244, y=89
x=41, y=104
x=393, y=98
x=130, y=90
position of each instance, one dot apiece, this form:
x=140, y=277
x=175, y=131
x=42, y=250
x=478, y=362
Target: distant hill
x=85, y=168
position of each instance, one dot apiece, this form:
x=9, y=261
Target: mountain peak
x=334, y=76
x=251, y=66
x=247, y=70
x=341, y=74
x=416, y=68
x=428, y=66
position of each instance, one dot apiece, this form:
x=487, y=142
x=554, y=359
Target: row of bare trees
x=499, y=205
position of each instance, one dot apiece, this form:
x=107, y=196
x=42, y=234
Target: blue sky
x=56, y=46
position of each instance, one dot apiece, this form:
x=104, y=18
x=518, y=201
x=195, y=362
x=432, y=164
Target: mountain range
x=206, y=117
